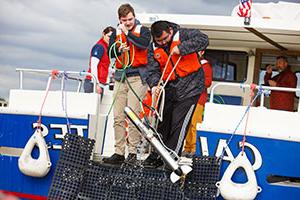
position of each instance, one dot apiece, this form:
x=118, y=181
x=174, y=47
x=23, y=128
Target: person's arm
x=208, y=73
x=141, y=41
x=268, y=75
x=153, y=68
x=113, y=51
x=96, y=55
x=192, y=40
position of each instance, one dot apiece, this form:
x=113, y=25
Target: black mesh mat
x=70, y=168
x=201, y=181
x=76, y=177
x=127, y=182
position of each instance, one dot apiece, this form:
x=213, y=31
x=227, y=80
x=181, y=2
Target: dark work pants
x=177, y=116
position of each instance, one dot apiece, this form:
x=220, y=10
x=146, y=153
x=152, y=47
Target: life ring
x=239, y=191
x=35, y=167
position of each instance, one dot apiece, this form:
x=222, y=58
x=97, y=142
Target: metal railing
x=70, y=75
x=243, y=86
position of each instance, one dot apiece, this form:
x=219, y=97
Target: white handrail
x=41, y=71
x=242, y=86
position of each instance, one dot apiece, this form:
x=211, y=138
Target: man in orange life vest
x=185, y=85
x=190, y=140
x=131, y=44
x=99, y=62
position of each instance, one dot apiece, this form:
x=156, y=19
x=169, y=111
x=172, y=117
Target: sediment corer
x=178, y=170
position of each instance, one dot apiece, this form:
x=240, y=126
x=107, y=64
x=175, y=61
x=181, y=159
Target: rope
x=252, y=88
x=124, y=77
x=123, y=70
x=156, y=98
x=260, y=91
x=54, y=74
x=64, y=102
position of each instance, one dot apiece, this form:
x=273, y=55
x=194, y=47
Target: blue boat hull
x=15, y=130
x=279, y=158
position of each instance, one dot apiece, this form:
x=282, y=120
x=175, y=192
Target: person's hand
x=272, y=83
x=175, y=51
x=269, y=69
x=99, y=89
x=200, y=53
x=155, y=90
x=123, y=28
x=123, y=48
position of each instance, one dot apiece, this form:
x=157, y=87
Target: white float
x=35, y=167
x=239, y=191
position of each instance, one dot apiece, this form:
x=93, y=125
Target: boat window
x=228, y=65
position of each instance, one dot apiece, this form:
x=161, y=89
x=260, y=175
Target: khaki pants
x=125, y=97
x=190, y=140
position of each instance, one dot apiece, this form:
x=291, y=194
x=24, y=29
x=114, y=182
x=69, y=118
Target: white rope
x=159, y=113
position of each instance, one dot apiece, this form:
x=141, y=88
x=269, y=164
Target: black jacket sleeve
x=154, y=72
x=141, y=41
x=112, y=51
x=192, y=40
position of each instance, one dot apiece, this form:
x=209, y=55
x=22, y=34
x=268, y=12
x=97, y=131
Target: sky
x=58, y=34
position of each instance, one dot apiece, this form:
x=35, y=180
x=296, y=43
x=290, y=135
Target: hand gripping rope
x=156, y=98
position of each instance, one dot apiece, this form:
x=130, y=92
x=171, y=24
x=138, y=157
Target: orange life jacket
x=187, y=64
x=137, y=56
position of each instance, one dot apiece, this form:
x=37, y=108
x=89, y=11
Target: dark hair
x=282, y=57
x=158, y=27
x=124, y=9
x=108, y=29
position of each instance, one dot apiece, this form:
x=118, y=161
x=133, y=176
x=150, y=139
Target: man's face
x=164, y=39
x=128, y=21
x=107, y=36
x=281, y=64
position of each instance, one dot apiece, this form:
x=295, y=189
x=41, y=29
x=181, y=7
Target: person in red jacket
x=281, y=100
x=190, y=140
x=99, y=62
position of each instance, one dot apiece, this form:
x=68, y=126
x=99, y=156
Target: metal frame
x=242, y=86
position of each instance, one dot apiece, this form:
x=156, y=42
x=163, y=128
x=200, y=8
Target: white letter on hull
x=44, y=129
x=61, y=135
x=223, y=145
x=256, y=155
x=204, y=146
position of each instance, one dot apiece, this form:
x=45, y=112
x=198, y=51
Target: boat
x=238, y=53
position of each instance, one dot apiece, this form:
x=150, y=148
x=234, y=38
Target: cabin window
x=228, y=65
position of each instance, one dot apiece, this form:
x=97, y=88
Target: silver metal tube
x=149, y=134
x=262, y=99
x=21, y=79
